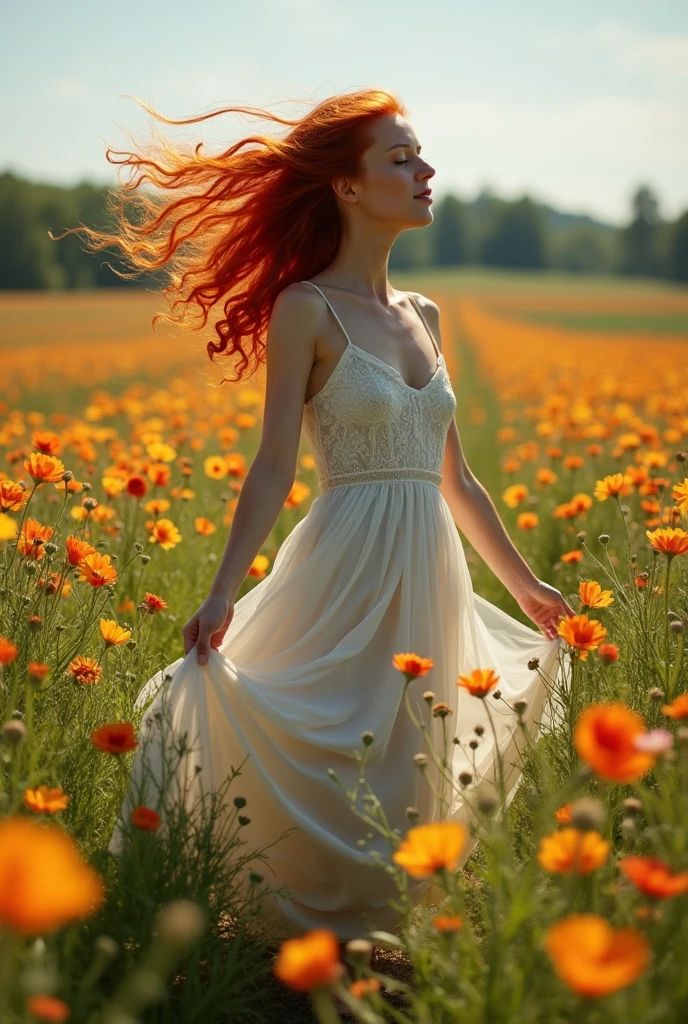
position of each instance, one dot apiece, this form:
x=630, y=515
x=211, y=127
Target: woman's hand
x=545, y=606
x=207, y=627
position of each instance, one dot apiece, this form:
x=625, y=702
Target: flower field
x=123, y=456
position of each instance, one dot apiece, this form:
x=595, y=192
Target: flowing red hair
x=244, y=223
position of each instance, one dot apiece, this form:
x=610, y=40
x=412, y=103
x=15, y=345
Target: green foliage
x=486, y=231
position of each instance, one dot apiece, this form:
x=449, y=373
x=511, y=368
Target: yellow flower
x=112, y=634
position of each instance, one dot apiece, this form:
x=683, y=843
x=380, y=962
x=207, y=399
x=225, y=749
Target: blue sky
x=575, y=104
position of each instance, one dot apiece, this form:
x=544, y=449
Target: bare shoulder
x=431, y=312
x=300, y=299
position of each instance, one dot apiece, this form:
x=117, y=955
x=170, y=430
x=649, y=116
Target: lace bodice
x=368, y=425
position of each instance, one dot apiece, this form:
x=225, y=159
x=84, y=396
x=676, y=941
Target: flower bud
x=588, y=814
x=429, y=696
x=181, y=922
x=359, y=950
x=465, y=778
x=534, y=664
x=487, y=803
x=13, y=732
x=367, y=738
x=676, y=627
x=656, y=693
x=412, y=814
x=604, y=538
x=632, y=805
x=520, y=706
x=479, y=730
x=106, y=947
x=473, y=744
x=421, y=760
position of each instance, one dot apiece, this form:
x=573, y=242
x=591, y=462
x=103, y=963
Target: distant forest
x=485, y=231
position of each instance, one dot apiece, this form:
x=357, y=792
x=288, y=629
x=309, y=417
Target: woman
x=294, y=236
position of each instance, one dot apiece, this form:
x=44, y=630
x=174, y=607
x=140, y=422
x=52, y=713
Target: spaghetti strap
x=348, y=339
x=425, y=323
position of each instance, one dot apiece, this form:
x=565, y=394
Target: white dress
x=375, y=568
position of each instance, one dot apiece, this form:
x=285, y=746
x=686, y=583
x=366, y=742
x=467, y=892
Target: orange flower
x=145, y=818
x=44, y=468
x=44, y=883
x=309, y=962
x=581, y=632
x=32, y=537
x=412, y=664
x=112, y=634
x=8, y=651
x=593, y=958
x=653, y=877
x=479, y=682
x=569, y=557
x=608, y=653
x=447, y=923
x=46, y=441
x=603, y=737
x=569, y=851
x=430, y=848
x=563, y=814
x=670, y=541
x=363, y=986
x=592, y=595
x=165, y=533
x=47, y=1008
x=77, y=549
x=204, y=526
x=37, y=670
x=46, y=799
x=13, y=496
x=527, y=520
x=678, y=707
x=115, y=737
x=85, y=671
x=96, y=570
x=154, y=603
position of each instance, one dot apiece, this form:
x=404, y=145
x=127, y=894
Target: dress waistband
x=378, y=476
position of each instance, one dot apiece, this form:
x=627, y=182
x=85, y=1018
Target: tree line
x=486, y=231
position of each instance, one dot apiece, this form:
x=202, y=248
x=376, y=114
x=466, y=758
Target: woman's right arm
x=290, y=352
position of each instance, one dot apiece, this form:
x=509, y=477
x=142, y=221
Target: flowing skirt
x=305, y=668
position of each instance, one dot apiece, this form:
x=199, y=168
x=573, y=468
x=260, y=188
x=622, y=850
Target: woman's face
x=395, y=172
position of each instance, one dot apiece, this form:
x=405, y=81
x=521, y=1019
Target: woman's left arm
x=476, y=516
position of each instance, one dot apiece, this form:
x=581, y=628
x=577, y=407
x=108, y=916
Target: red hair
x=243, y=225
